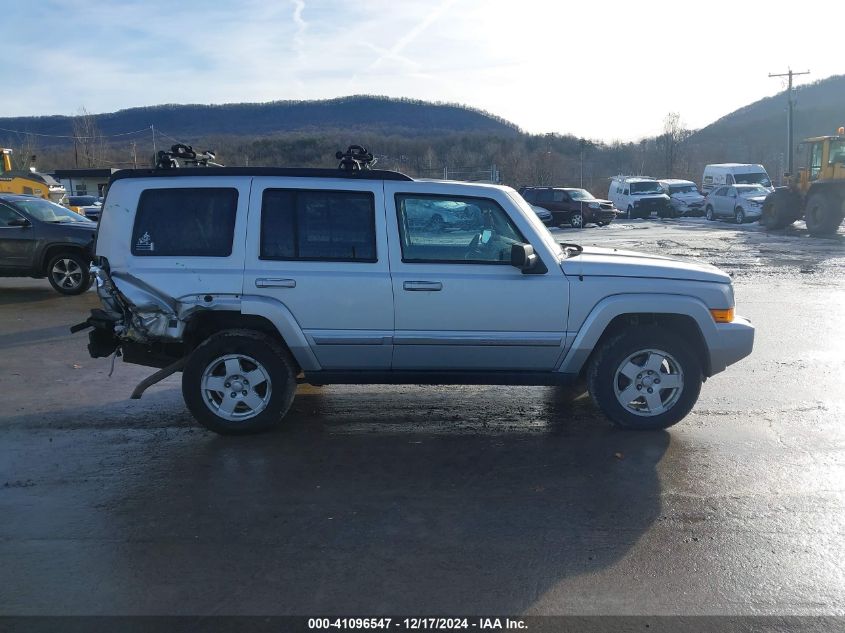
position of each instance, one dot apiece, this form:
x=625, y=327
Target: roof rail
x=623, y=176
x=279, y=172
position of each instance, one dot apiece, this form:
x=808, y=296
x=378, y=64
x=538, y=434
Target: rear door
x=320, y=249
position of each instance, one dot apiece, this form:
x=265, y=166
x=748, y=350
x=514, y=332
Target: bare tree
x=674, y=134
x=23, y=152
x=89, y=146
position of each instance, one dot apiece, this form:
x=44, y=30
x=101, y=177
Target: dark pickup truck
x=39, y=238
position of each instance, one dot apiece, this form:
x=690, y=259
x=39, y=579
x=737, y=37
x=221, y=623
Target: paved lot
x=451, y=500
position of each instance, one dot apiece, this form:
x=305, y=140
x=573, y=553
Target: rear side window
x=308, y=225
x=194, y=222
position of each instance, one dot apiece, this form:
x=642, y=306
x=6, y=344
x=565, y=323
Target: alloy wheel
x=648, y=382
x=236, y=387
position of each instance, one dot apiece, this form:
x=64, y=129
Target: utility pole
x=789, y=149
x=134, y=156
x=153, y=128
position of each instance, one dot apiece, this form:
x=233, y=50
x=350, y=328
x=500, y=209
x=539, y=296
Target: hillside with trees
x=427, y=139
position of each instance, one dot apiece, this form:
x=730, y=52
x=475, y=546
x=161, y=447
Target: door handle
x=268, y=282
x=422, y=286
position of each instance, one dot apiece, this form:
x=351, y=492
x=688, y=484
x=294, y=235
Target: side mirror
x=625, y=193
x=523, y=257
x=21, y=222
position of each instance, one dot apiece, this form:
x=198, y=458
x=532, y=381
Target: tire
x=739, y=215
x=780, y=209
x=69, y=273
x=823, y=213
x=233, y=359
x=623, y=355
x=576, y=220
x=708, y=213
x=630, y=212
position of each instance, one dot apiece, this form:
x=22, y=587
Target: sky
x=604, y=70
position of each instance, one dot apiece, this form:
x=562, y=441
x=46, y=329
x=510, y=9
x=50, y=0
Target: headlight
x=594, y=205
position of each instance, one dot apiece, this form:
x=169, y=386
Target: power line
x=789, y=141
x=79, y=138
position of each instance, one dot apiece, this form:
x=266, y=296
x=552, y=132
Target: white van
x=639, y=196
x=734, y=174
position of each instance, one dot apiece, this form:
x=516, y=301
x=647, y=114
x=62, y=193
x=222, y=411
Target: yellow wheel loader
x=28, y=182
x=817, y=193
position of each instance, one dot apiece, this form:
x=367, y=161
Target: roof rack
x=188, y=157
x=355, y=163
x=279, y=172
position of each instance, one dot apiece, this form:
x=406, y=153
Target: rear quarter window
x=190, y=222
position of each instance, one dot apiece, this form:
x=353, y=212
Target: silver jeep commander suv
x=245, y=278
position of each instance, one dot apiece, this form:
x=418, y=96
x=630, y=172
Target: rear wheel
x=69, y=273
x=645, y=378
x=238, y=382
x=576, y=220
x=823, y=213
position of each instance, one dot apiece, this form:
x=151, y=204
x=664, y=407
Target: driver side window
x=7, y=215
x=459, y=230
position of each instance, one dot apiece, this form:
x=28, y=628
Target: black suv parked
x=39, y=238
x=569, y=205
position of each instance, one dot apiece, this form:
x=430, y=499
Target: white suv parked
x=247, y=278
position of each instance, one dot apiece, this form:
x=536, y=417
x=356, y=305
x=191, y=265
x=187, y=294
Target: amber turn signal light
x=723, y=316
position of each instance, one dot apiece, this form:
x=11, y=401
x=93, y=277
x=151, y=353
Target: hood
x=595, y=200
x=650, y=196
x=686, y=197
x=74, y=226
x=608, y=262
x=759, y=199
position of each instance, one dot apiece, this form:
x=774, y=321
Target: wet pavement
x=439, y=500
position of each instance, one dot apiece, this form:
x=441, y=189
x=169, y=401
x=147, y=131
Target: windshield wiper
x=571, y=250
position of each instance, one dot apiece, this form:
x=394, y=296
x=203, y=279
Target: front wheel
x=645, y=378
x=238, y=382
x=739, y=215
x=630, y=212
x=69, y=273
x=708, y=213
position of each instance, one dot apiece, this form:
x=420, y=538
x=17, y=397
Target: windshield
x=755, y=178
x=541, y=229
x=50, y=212
x=837, y=152
x=82, y=201
x=580, y=194
x=646, y=187
x=752, y=190
x=682, y=189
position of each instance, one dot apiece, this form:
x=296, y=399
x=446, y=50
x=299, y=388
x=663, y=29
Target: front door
x=322, y=253
x=459, y=304
x=17, y=243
